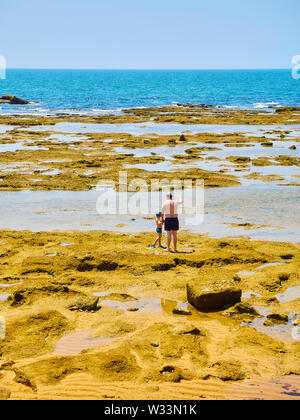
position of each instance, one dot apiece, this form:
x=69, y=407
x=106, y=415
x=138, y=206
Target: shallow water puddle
x=75, y=210
x=270, y=265
x=65, y=138
x=52, y=172
x=4, y=297
x=248, y=295
x=5, y=128
x=14, y=147
x=282, y=331
x=101, y=294
x=158, y=306
x=245, y=273
x=10, y=285
x=289, y=295
x=167, y=128
x=251, y=273
x=73, y=343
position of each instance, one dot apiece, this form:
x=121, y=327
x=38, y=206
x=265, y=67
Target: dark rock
x=182, y=138
x=213, y=296
x=278, y=318
x=267, y=144
x=201, y=106
x=13, y=100
x=293, y=148
x=178, y=311
x=245, y=308
x=287, y=256
x=107, y=265
x=18, y=101
x=195, y=331
x=284, y=277
x=287, y=109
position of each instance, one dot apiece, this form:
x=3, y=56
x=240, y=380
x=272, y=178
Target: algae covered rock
x=213, y=296
x=242, y=310
x=278, y=318
x=85, y=304
x=13, y=100
x=33, y=334
x=4, y=393
x=227, y=371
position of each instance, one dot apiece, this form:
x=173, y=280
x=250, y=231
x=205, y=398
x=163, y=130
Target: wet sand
x=92, y=311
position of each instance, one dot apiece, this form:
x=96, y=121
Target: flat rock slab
x=213, y=296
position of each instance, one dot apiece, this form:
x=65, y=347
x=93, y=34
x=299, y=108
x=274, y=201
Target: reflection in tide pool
x=274, y=207
x=168, y=129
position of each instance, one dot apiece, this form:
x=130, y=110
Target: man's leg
x=175, y=240
x=168, y=240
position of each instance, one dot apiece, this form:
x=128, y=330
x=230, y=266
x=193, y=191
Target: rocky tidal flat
x=92, y=311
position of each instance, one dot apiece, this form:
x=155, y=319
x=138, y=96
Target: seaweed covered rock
x=13, y=100
x=4, y=393
x=85, y=304
x=213, y=296
x=242, y=311
x=227, y=371
x=278, y=318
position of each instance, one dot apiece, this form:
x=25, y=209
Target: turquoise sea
x=101, y=91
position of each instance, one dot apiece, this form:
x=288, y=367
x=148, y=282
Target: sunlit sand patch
x=286, y=387
x=74, y=343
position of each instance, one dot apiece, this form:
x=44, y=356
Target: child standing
x=159, y=225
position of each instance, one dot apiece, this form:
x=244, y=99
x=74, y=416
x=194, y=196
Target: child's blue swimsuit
x=159, y=230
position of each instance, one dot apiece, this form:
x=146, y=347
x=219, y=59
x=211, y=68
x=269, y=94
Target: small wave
x=266, y=104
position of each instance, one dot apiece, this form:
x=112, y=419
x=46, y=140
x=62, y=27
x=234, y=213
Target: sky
x=155, y=34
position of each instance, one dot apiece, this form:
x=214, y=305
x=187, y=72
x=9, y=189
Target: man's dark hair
x=170, y=196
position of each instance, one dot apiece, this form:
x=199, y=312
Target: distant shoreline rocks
x=12, y=100
x=201, y=106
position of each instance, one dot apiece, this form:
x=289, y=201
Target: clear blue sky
x=149, y=34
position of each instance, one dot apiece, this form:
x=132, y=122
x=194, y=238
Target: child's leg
x=159, y=238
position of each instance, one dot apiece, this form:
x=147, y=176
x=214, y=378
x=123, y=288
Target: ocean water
x=107, y=91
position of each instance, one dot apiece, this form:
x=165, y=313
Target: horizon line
x=148, y=69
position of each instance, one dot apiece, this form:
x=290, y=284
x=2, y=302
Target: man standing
x=170, y=214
